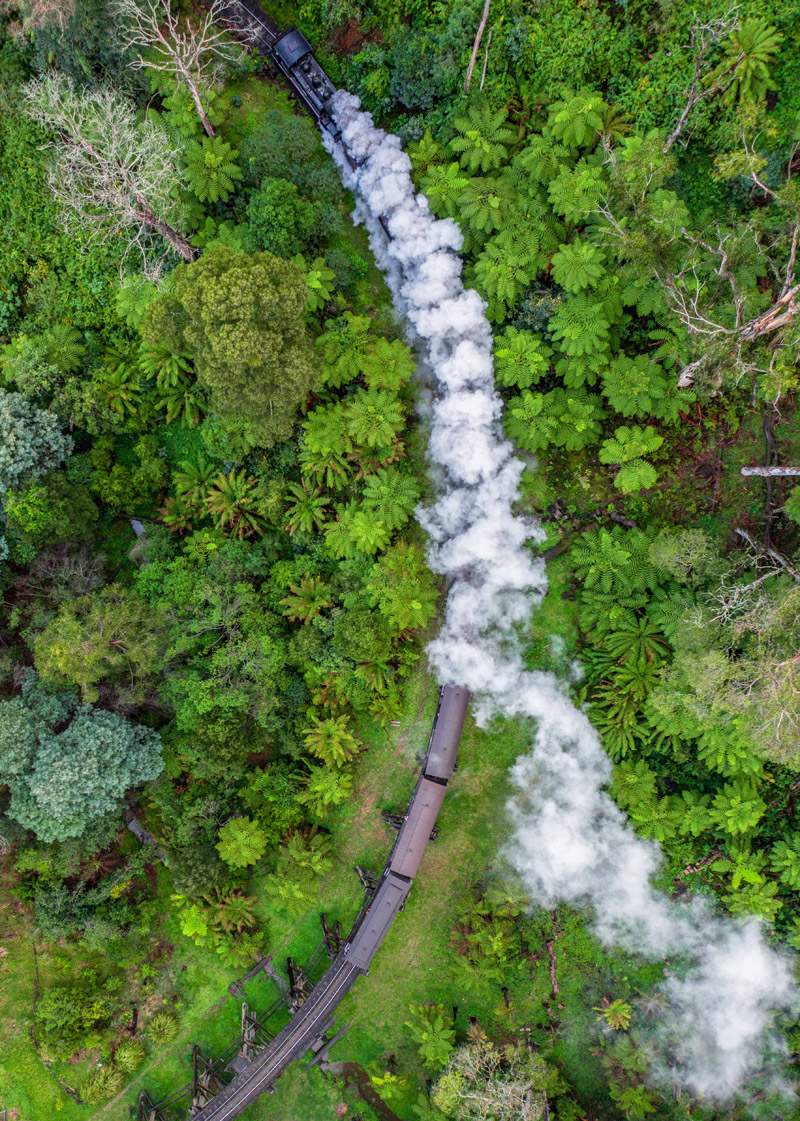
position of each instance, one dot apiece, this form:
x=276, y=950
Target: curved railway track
x=289, y=1044
x=388, y=900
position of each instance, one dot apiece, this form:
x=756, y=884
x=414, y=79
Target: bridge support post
x=298, y=985
x=332, y=935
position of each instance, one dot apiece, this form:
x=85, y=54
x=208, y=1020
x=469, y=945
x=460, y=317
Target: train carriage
x=440, y=761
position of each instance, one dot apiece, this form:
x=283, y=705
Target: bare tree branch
x=704, y=38
x=193, y=55
x=113, y=177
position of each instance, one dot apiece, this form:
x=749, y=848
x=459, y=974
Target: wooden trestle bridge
x=210, y=1076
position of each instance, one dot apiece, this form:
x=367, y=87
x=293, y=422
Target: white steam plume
x=570, y=842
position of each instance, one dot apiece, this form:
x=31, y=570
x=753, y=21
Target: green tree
x=241, y=318
x=31, y=441
x=483, y=1081
x=280, y=220
x=109, y=635
x=241, y=842
x=61, y=782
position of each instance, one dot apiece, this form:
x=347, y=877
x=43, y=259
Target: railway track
x=289, y=1044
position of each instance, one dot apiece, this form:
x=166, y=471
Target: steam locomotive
x=290, y=53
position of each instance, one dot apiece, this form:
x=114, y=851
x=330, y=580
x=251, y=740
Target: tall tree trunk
x=476, y=46
x=198, y=104
x=179, y=243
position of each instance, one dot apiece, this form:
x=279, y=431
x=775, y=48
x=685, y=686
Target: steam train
x=423, y=809
x=313, y=1017
x=290, y=53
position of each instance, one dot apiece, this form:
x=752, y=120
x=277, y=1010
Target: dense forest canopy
x=214, y=594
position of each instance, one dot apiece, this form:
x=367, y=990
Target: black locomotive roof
x=291, y=47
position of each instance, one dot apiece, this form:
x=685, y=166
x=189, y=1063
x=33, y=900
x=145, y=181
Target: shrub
x=129, y=1055
x=105, y=1083
x=163, y=1027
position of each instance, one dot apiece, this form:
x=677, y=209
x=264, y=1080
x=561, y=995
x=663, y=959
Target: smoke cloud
x=570, y=842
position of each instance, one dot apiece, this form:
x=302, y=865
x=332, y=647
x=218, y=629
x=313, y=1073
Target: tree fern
x=425, y=152
x=344, y=346
x=520, y=358
x=566, y=419
x=637, y=387
x=118, y=383
x=575, y=193
x=578, y=265
x=627, y=447
x=307, y=510
x=636, y=640
x=211, y=168
x=63, y=348
x=195, y=479
x=745, y=68
x=374, y=417
x=577, y=121
x=693, y=812
x=614, y=561
x=657, y=818
x=577, y=370
x=784, y=861
x=391, y=496
x=542, y=159
x=737, y=808
x=485, y=204
x=581, y=326
x=483, y=139
x=615, y=715
x=443, y=186
x=633, y=782
x=388, y=365
x=502, y=277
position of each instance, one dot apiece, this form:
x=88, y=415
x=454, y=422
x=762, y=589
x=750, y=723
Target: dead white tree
x=476, y=46
x=113, y=176
x=704, y=38
x=195, y=55
x=771, y=472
